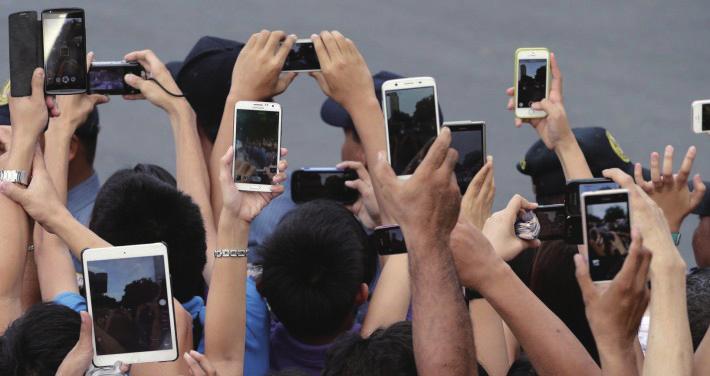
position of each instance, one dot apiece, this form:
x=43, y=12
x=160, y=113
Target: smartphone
x=25, y=37
x=468, y=138
x=411, y=112
x=389, y=240
x=106, y=77
x=302, y=57
x=532, y=80
x=257, y=145
x=575, y=188
x=606, y=222
x=701, y=116
x=323, y=182
x=552, y=219
x=64, y=42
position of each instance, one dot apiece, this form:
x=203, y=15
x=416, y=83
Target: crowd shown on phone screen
x=312, y=296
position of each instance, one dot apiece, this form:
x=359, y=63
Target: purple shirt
x=288, y=352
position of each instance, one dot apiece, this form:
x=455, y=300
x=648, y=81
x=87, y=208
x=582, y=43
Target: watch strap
x=219, y=253
x=15, y=176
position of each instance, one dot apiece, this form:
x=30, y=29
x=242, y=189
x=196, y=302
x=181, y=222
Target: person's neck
x=327, y=339
x=78, y=173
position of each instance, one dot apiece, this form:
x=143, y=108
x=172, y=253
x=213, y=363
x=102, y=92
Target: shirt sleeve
x=71, y=300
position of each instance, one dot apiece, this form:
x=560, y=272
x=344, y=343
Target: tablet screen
x=129, y=300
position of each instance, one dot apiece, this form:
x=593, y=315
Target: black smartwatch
x=388, y=240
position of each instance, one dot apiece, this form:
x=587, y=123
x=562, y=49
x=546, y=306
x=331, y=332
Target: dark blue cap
x=205, y=77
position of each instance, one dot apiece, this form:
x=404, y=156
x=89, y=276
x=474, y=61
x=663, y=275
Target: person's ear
x=362, y=294
x=73, y=148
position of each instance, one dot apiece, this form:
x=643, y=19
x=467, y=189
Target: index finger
x=285, y=48
x=686, y=165
x=321, y=50
x=145, y=58
x=274, y=38
x=556, y=74
x=437, y=152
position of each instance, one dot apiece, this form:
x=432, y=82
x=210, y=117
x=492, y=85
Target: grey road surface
x=631, y=66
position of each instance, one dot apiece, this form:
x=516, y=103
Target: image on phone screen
x=411, y=126
x=106, y=80
x=302, y=57
x=552, y=220
x=129, y=300
x=706, y=117
x=608, y=234
x=257, y=146
x=64, y=50
x=468, y=142
x=532, y=79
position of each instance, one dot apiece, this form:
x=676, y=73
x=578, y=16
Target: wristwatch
x=15, y=176
x=230, y=253
x=676, y=237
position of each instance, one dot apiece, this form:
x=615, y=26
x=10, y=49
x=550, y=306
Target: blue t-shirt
x=80, y=203
x=264, y=224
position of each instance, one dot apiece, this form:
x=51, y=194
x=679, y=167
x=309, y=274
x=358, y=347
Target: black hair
x=88, y=134
x=386, y=352
x=313, y=266
x=698, y=290
x=138, y=206
x=37, y=342
x=553, y=281
x=290, y=372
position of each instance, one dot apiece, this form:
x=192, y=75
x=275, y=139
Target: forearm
x=75, y=235
x=618, y=361
x=489, y=337
x=670, y=350
x=390, y=301
x=537, y=329
x=441, y=329
x=226, y=303
x=370, y=126
x=574, y=165
x=224, y=139
x=701, y=359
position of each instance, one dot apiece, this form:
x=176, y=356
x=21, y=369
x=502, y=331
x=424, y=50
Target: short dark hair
x=37, y=342
x=698, y=290
x=88, y=134
x=313, y=266
x=136, y=206
x=386, y=352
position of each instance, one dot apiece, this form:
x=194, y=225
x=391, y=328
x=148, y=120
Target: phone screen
x=390, y=240
x=706, y=117
x=411, y=125
x=64, y=50
x=552, y=220
x=576, y=188
x=257, y=146
x=468, y=141
x=329, y=184
x=129, y=300
x=302, y=57
x=608, y=232
x=108, y=79
x=532, y=81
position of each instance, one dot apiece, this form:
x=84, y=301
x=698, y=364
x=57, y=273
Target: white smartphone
x=701, y=116
x=411, y=110
x=130, y=300
x=257, y=145
x=606, y=224
x=532, y=80
x=302, y=57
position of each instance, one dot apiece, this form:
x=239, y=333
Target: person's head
x=386, y=352
x=542, y=165
x=698, y=296
x=36, y=343
x=316, y=268
x=701, y=242
x=82, y=150
x=553, y=281
x=334, y=114
x=205, y=77
x=142, y=205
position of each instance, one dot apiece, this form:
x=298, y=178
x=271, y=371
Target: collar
x=83, y=194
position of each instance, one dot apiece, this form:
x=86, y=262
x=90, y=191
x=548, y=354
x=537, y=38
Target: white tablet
x=129, y=297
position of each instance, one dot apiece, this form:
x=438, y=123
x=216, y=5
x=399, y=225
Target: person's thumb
x=12, y=191
x=543, y=105
x=85, y=335
x=38, y=84
x=134, y=81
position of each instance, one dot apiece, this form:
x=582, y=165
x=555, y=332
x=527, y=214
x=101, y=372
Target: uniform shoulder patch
x=617, y=148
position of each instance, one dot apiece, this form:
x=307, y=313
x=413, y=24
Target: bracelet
x=31, y=248
x=676, y=237
x=15, y=176
x=218, y=253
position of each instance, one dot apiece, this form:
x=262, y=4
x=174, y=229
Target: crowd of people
x=312, y=297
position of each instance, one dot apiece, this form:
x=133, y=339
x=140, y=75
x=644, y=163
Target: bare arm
x=390, y=301
x=489, y=336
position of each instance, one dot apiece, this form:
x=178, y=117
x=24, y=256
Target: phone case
x=517, y=68
x=25, y=33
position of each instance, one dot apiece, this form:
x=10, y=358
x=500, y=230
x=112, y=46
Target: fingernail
x=314, y=36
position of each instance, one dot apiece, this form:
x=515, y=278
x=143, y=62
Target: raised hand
x=257, y=72
x=500, y=229
x=199, y=364
x=477, y=202
x=156, y=70
x=366, y=207
x=670, y=191
x=247, y=205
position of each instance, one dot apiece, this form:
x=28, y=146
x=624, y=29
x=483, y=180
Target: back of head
x=386, y=352
x=698, y=291
x=141, y=206
x=553, y=281
x=88, y=134
x=37, y=342
x=313, y=266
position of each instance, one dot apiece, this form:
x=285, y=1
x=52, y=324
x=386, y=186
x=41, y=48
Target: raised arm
x=426, y=207
x=226, y=302
x=192, y=175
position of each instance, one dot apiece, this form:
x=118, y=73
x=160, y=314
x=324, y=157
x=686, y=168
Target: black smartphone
x=64, y=44
x=552, y=219
x=106, y=77
x=25, y=36
x=468, y=138
x=606, y=223
x=575, y=189
x=389, y=240
x=302, y=57
x=329, y=183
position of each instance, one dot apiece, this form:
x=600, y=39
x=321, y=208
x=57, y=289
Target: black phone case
x=25, y=33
